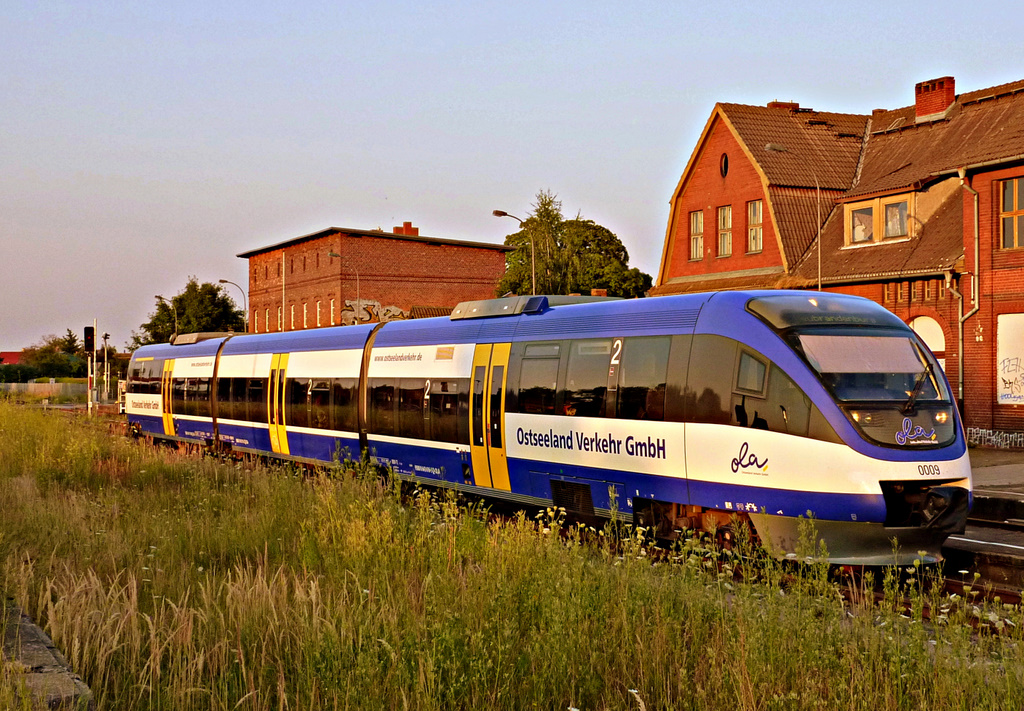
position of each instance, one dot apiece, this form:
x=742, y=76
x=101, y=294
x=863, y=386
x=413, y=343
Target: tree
x=197, y=308
x=572, y=256
x=56, y=357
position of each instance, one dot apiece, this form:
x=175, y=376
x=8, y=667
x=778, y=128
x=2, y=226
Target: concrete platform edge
x=28, y=652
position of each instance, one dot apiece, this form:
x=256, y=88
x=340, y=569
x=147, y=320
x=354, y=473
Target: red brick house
x=919, y=208
x=341, y=276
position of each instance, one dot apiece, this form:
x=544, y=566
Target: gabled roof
x=796, y=147
x=980, y=128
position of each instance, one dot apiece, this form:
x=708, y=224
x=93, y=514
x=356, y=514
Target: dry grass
x=182, y=584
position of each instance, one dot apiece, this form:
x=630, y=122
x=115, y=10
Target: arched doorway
x=931, y=333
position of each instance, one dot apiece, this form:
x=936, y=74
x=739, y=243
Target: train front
x=902, y=483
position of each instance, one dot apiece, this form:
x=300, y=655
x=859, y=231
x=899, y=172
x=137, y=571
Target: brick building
x=342, y=276
x=919, y=208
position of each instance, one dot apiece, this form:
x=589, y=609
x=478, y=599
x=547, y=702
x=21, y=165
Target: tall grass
x=183, y=584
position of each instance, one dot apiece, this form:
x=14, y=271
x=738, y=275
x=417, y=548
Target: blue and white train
x=683, y=412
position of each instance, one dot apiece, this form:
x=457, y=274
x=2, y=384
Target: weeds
x=197, y=584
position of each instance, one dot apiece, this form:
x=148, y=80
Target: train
x=695, y=412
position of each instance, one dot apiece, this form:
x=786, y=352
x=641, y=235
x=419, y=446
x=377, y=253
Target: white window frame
x=755, y=222
x=696, y=235
x=725, y=231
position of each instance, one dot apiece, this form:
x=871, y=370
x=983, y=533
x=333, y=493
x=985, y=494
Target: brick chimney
x=933, y=97
x=790, y=105
x=407, y=229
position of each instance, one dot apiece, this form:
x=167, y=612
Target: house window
x=280, y=320
x=696, y=235
x=754, y=226
x=725, y=231
x=305, y=307
x=895, y=219
x=876, y=221
x=929, y=290
x=255, y=321
x=1011, y=213
x=318, y=324
x=332, y=312
x=862, y=223
x=887, y=292
x=292, y=319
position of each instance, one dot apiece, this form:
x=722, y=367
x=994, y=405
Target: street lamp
x=175, y=312
x=779, y=148
x=359, y=303
x=106, y=370
x=533, y=261
x=245, y=308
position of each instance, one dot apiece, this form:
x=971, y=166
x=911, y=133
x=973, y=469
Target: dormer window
x=877, y=221
x=862, y=225
x=895, y=215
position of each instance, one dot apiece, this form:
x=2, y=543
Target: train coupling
x=934, y=505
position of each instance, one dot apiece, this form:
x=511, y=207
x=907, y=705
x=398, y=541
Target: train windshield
x=887, y=384
x=872, y=367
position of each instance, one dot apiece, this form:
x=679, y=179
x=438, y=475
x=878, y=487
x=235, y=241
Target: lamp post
x=106, y=370
x=533, y=261
x=175, y=312
x=245, y=308
x=779, y=148
x=359, y=303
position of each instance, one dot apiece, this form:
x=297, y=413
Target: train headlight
x=861, y=417
x=941, y=417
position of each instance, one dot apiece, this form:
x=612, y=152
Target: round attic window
x=723, y=165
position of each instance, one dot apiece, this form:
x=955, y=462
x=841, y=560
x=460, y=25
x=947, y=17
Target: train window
x=750, y=374
x=722, y=389
x=320, y=404
x=411, y=393
x=178, y=397
x=256, y=399
x=135, y=382
x=497, y=377
x=709, y=388
x=479, y=373
x=144, y=377
x=537, y=380
x=238, y=399
x=225, y=405
x=382, y=406
x=586, y=382
x=444, y=410
x=345, y=403
x=642, y=378
x=199, y=395
x=789, y=409
x=296, y=401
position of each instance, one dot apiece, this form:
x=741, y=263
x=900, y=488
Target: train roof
x=546, y=318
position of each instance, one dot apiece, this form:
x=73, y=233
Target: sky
x=143, y=143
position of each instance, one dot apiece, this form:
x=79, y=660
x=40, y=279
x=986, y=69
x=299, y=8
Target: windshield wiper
x=918, y=387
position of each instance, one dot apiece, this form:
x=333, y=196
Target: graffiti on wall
x=367, y=311
x=1010, y=358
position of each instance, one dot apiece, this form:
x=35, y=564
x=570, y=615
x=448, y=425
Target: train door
x=487, y=415
x=166, y=383
x=275, y=404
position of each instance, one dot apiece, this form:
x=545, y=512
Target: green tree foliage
x=572, y=256
x=17, y=373
x=56, y=357
x=198, y=308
